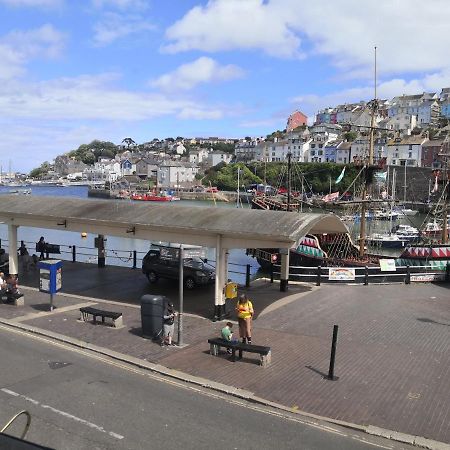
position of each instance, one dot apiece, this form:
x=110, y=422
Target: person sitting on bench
x=3, y=284
x=227, y=335
x=12, y=289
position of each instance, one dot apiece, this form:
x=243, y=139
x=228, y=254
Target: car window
x=195, y=263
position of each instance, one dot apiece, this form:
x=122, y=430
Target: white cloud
x=234, y=24
x=94, y=98
x=33, y=3
x=202, y=70
x=115, y=26
x=18, y=47
x=412, y=35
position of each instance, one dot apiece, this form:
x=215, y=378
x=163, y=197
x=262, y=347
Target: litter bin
x=152, y=311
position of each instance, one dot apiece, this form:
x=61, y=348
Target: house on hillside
x=174, y=174
x=216, y=157
x=405, y=151
x=296, y=119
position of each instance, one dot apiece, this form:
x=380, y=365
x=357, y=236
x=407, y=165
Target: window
x=410, y=155
x=320, y=152
x=313, y=145
x=394, y=162
x=313, y=152
x=320, y=145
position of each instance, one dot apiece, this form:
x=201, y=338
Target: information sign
x=341, y=274
x=387, y=265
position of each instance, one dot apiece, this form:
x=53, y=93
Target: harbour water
x=119, y=250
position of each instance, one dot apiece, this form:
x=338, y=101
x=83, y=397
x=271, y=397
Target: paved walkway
x=393, y=353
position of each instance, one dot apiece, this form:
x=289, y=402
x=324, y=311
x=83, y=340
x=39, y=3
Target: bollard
x=74, y=253
x=134, y=259
x=0, y=243
x=247, y=276
x=447, y=270
x=319, y=275
x=333, y=355
x=408, y=275
x=271, y=272
x=366, y=276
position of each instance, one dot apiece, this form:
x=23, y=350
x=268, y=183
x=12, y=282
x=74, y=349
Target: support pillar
x=218, y=296
x=284, y=275
x=13, y=258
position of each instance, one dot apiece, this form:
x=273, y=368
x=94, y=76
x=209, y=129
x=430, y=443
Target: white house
x=198, y=156
x=216, y=157
x=405, y=151
x=173, y=174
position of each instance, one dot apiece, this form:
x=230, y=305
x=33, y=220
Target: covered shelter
x=219, y=228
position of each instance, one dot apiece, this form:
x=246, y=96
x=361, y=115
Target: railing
x=363, y=275
x=127, y=258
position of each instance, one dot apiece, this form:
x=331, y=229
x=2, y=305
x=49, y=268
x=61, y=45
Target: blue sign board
x=50, y=276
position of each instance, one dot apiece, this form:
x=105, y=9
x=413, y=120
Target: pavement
x=393, y=350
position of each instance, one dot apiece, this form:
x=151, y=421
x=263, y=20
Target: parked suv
x=195, y=271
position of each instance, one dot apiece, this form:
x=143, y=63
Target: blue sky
x=76, y=70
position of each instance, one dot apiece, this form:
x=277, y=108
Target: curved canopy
x=238, y=228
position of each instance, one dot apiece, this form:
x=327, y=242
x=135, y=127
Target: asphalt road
x=80, y=401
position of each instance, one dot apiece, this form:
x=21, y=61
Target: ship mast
x=289, y=155
x=374, y=107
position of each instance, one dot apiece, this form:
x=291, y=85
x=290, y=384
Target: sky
x=76, y=70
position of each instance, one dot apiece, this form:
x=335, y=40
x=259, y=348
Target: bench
x=264, y=352
x=94, y=312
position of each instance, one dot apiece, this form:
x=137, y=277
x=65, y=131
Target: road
x=79, y=400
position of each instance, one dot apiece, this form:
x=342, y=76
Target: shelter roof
x=238, y=228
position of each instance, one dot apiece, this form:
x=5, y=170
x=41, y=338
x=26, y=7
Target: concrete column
x=223, y=274
x=225, y=279
x=218, y=293
x=284, y=275
x=13, y=258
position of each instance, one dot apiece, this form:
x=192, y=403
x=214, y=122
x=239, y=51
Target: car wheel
x=189, y=283
x=152, y=276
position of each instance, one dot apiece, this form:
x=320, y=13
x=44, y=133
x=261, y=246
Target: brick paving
x=393, y=353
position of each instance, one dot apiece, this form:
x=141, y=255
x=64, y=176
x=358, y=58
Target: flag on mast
x=339, y=178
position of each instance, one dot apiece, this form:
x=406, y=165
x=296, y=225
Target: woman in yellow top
x=244, y=310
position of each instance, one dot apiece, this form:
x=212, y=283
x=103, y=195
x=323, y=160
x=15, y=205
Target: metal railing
x=364, y=275
x=124, y=258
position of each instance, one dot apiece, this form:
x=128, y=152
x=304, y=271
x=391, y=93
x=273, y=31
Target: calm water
x=119, y=250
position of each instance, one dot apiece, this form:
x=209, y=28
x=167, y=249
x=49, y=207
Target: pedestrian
x=227, y=335
x=41, y=247
x=244, y=309
x=2, y=282
x=168, y=324
x=23, y=251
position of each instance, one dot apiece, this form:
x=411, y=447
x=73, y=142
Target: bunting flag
x=339, y=178
x=330, y=197
x=436, y=187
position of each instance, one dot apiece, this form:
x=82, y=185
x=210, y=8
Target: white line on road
x=63, y=413
x=371, y=443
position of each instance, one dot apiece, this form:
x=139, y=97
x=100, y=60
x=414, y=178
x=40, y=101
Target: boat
x=153, y=197
x=387, y=240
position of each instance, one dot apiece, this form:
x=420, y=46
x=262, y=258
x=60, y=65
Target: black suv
x=195, y=271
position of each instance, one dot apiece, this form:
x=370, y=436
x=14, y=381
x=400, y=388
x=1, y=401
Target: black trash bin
x=152, y=311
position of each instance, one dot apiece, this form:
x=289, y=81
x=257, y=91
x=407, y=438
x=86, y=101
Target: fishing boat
x=153, y=197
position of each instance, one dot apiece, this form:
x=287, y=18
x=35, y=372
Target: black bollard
x=247, y=276
x=366, y=276
x=74, y=253
x=408, y=275
x=333, y=355
x=271, y=272
x=319, y=275
x=134, y=259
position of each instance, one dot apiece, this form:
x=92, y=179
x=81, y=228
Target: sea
x=119, y=251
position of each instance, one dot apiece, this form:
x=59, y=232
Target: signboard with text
x=387, y=265
x=341, y=274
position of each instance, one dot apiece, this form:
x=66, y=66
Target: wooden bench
x=94, y=312
x=264, y=352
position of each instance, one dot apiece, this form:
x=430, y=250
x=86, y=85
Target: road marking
x=371, y=443
x=182, y=384
x=63, y=413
